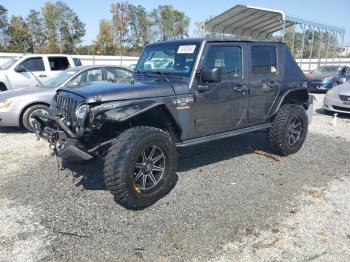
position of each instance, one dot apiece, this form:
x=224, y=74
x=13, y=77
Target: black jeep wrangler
x=184, y=93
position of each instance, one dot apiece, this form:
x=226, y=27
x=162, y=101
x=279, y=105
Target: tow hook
x=52, y=149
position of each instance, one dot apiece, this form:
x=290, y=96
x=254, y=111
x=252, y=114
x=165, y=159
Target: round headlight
x=82, y=111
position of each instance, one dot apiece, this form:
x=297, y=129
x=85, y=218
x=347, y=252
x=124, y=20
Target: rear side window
x=263, y=60
x=77, y=61
x=58, y=63
x=226, y=57
x=34, y=64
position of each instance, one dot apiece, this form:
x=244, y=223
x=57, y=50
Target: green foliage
x=105, y=38
x=65, y=30
x=140, y=27
x=133, y=27
x=19, y=36
x=170, y=23
x=58, y=29
x=3, y=28
x=37, y=30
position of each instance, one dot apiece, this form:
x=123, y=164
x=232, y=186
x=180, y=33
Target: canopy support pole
x=320, y=48
x=334, y=46
x=329, y=39
x=312, y=45
x=341, y=47
x=302, y=46
x=293, y=39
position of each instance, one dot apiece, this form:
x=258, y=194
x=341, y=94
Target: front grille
x=340, y=108
x=344, y=98
x=66, y=105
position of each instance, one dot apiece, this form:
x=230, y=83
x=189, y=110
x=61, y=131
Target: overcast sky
x=335, y=12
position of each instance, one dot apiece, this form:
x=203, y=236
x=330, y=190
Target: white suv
x=25, y=71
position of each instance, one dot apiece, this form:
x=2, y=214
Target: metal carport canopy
x=256, y=22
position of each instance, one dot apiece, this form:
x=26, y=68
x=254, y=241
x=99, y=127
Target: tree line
x=56, y=28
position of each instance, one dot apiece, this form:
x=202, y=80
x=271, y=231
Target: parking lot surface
x=229, y=204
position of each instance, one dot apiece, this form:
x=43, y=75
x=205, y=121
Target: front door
x=223, y=105
x=26, y=79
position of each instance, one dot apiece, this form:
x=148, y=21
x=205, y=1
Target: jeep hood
x=107, y=91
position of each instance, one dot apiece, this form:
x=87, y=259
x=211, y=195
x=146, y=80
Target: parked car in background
x=25, y=71
x=337, y=99
x=17, y=106
x=326, y=77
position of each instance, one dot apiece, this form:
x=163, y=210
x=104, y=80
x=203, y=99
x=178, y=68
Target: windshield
x=327, y=69
x=171, y=58
x=62, y=77
x=8, y=63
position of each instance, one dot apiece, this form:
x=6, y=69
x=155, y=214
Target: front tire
x=140, y=167
x=27, y=115
x=289, y=129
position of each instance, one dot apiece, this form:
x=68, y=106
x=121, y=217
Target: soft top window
x=263, y=60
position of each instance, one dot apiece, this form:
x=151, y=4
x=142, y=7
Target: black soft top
x=211, y=40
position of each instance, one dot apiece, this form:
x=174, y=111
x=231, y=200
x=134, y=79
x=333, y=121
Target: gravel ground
x=228, y=204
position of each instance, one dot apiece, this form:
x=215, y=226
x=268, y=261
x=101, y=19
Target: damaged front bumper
x=63, y=142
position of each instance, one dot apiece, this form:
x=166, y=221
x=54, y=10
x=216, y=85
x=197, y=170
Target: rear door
x=57, y=64
x=264, y=84
x=223, y=105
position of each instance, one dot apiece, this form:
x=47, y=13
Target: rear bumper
x=62, y=140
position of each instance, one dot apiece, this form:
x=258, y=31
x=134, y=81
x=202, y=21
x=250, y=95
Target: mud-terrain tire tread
x=276, y=135
x=115, y=165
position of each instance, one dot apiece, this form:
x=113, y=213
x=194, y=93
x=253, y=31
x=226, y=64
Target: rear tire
x=129, y=171
x=26, y=118
x=289, y=129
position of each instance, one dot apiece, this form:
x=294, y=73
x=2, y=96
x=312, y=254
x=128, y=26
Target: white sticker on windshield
x=186, y=49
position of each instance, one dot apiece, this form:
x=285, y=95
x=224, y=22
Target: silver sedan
x=17, y=106
x=337, y=99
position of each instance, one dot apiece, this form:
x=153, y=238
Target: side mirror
x=20, y=69
x=211, y=74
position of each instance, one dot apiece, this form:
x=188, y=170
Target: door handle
x=42, y=75
x=240, y=88
x=202, y=88
x=269, y=85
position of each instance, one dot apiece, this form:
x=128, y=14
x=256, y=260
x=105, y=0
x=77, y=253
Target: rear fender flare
x=279, y=102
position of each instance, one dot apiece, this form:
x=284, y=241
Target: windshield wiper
x=167, y=80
